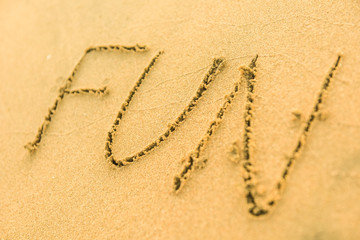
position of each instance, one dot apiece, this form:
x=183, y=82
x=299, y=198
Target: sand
x=192, y=144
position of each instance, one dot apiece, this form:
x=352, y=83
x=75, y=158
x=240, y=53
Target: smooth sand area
x=290, y=114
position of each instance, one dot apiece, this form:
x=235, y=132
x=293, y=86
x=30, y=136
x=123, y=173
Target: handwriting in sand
x=258, y=205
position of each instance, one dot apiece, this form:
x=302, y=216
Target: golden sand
x=138, y=124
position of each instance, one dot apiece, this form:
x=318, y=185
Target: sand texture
x=227, y=119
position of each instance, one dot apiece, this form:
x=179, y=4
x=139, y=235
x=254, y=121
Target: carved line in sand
x=209, y=77
x=65, y=89
x=249, y=174
x=193, y=159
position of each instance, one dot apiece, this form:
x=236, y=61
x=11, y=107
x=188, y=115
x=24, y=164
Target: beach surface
x=67, y=185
